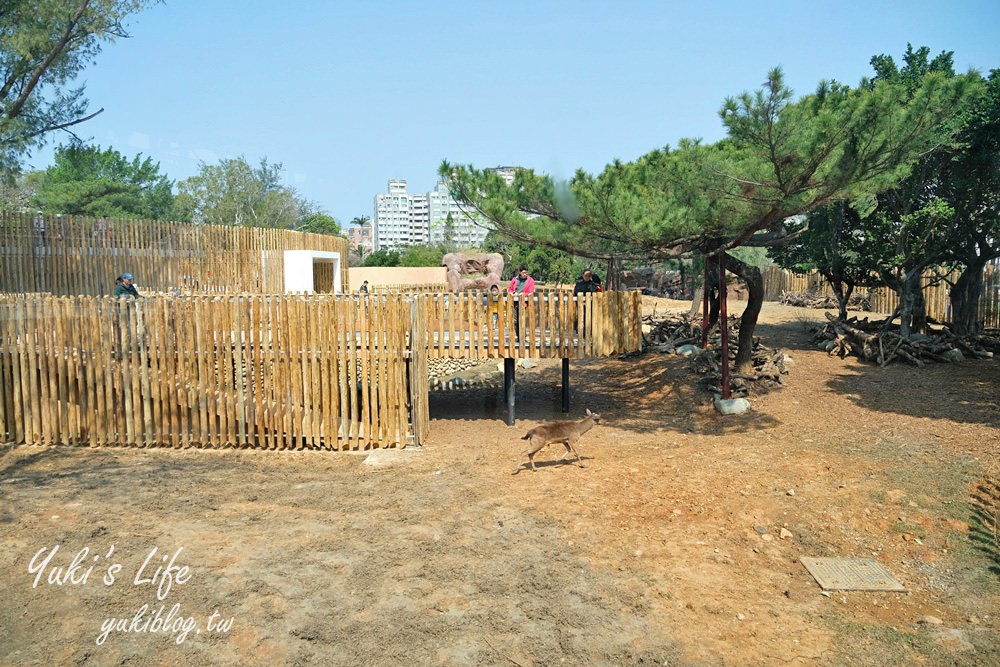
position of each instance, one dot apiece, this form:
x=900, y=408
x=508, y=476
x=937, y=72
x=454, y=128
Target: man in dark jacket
x=125, y=287
x=587, y=283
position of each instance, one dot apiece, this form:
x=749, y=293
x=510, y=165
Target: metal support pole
x=724, y=326
x=704, y=305
x=508, y=388
x=565, y=384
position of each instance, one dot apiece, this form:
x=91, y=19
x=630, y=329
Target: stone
x=785, y=534
x=791, y=492
x=930, y=620
x=688, y=351
x=953, y=355
x=732, y=406
x=761, y=530
x=527, y=363
x=381, y=458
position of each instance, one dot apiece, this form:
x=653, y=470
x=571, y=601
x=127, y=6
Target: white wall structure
x=300, y=269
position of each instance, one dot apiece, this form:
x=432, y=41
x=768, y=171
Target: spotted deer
x=565, y=432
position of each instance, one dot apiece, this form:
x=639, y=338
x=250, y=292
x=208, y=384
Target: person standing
x=493, y=304
x=363, y=290
x=125, y=287
x=587, y=283
x=521, y=286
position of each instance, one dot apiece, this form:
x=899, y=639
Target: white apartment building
x=401, y=217
x=462, y=230
x=404, y=218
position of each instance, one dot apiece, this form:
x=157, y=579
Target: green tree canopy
x=85, y=180
x=781, y=158
x=44, y=45
x=237, y=194
x=382, y=258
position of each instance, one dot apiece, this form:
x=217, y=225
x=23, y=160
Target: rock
x=732, y=406
x=828, y=346
x=381, y=458
x=791, y=492
x=930, y=620
x=647, y=329
x=787, y=360
x=527, y=363
x=766, y=538
x=953, y=355
x=761, y=530
x=785, y=534
x=688, y=351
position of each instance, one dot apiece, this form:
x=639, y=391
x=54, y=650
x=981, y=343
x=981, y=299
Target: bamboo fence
x=273, y=372
x=243, y=371
x=66, y=255
x=550, y=325
x=884, y=300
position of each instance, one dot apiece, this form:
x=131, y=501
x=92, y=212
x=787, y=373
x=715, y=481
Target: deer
x=566, y=432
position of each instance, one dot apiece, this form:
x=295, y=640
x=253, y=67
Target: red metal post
x=724, y=327
x=704, y=305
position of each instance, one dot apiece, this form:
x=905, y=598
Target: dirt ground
x=677, y=544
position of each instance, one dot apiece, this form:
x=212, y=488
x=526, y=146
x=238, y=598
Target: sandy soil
x=677, y=544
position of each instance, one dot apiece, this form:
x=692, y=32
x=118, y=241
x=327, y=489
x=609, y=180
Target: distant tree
x=421, y=255
x=382, y=258
x=85, y=180
x=360, y=220
x=44, y=45
x=832, y=245
x=17, y=192
x=545, y=263
x=236, y=194
x=319, y=223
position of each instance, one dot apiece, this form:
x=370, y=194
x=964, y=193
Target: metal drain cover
x=851, y=574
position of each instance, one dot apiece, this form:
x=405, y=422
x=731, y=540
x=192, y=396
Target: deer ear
x=589, y=412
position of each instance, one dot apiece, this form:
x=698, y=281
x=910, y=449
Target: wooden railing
x=548, y=325
x=273, y=372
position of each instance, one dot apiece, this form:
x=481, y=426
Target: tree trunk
x=964, y=299
x=843, y=292
x=748, y=322
x=911, y=305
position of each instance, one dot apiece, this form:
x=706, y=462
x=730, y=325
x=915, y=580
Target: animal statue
x=469, y=272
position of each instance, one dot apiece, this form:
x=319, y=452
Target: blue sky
x=347, y=95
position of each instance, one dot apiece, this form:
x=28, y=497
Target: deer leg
x=571, y=448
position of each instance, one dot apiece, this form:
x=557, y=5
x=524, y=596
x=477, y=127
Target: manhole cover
x=851, y=574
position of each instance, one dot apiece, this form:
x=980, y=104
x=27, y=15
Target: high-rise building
x=450, y=224
x=401, y=217
x=405, y=218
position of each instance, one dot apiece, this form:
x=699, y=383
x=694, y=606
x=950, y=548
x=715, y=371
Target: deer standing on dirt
x=565, y=432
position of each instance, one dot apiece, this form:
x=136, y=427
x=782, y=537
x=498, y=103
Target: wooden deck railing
x=273, y=372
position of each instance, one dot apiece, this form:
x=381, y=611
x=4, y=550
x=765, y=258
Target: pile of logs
x=670, y=335
x=816, y=300
x=875, y=342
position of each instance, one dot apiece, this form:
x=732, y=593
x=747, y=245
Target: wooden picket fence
x=245, y=371
x=549, y=325
x=67, y=255
x=272, y=372
x=884, y=300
